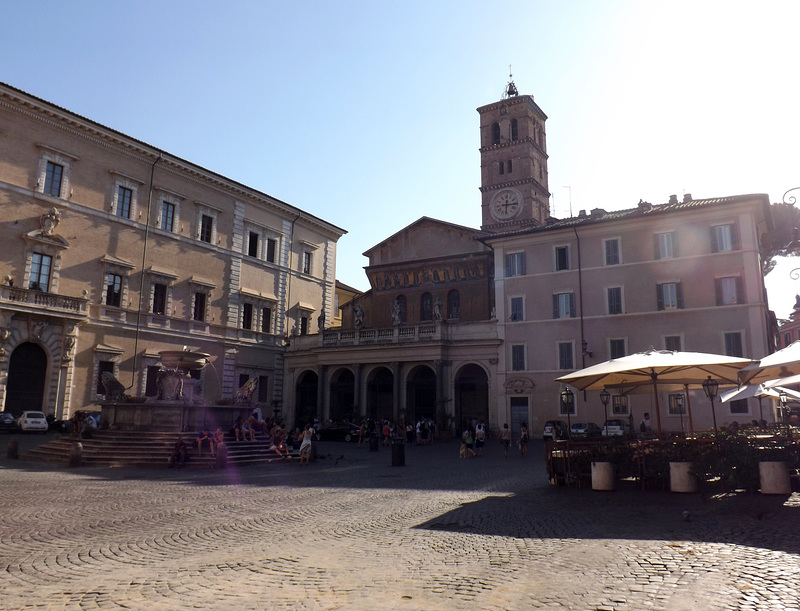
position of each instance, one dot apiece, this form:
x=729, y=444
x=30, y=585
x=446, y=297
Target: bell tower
x=514, y=187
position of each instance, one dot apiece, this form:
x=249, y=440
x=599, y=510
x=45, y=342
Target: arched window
x=495, y=133
x=453, y=304
x=502, y=168
x=513, y=129
x=400, y=302
x=508, y=166
x=426, y=307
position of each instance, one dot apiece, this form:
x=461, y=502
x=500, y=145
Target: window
x=426, y=307
x=514, y=131
x=729, y=290
x=306, y=262
x=103, y=367
x=114, y=290
x=670, y=296
x=562, y=257
x=509, y=166
x=517, y=309
x=619, y=405
x=674, y=408
x=614, y=300
x=266, y=320
x=206, y=228
x=739, y=407
x=199, y=307
x=612, y=252
x=52, y=179
x=151, y=381
x=304, y=325
x=564, y=305
x=253, y=239
x=518, y=357
x=502, y=167
x=787, y=339
x=247, y=316
x=495, y=133
x=40, y=272
x=263, y=389
x=124, y=199
x=167, y=216
x=733, y=344
x=400, y=303
x=666, y=246
x=565, y=356
x=159, y=298
x=515, y=264
x=616, y=348
x=453, y=304
x=271, y=244
x=673, y=342
x=724, y=238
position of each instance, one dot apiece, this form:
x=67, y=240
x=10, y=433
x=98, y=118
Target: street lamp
x=782, y=398
x=710, y=387
x=567, y=401
x=604, y=397
x=679, y=405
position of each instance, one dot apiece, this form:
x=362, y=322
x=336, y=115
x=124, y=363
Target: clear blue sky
x=363, y=112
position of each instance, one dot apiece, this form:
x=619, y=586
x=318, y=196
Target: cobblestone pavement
x=352, y=532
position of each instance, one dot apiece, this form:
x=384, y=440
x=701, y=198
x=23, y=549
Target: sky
x=364, y=112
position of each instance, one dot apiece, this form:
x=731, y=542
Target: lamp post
x=567, y=401
x=710, y=387
x=679, y=405
x=782, y=398
x=604, y=397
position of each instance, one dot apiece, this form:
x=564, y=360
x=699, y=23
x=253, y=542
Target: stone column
x=397, y=369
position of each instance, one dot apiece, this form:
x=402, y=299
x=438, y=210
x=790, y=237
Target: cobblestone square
x=352, y=532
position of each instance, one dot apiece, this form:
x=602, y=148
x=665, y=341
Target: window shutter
x=572, y=305
x=660, y=296
x=522, y=270
x=734, y=237
x=508, y=265
x=555, y=306
x=740, y=290
x=674, y=235
x=718, y=290
x=656, y=247
x=714, y=245
x=679, y=294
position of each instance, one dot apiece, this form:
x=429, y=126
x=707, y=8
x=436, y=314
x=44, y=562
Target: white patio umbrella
x=658, y=367
x=781, y=364
x=759, y=391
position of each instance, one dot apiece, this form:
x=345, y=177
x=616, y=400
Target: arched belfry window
x=513, y=129
x=508, y=166
x=495, y=133
x=502, y=168
x=426, y=307
x=453, y=304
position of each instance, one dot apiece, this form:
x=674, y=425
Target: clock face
x=505, y=205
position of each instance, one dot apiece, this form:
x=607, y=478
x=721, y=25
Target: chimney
x=581, y=214
x=687, y=197
x=598, y=212
x=644, y=206
x=673, y=199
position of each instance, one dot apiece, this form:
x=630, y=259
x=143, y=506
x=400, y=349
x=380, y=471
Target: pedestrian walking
x=505, y=439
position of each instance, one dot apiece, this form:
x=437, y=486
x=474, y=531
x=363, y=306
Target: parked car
x=342, y=431
x=7, y=422
x=616, y=426
x=554, y=429
x=32, y=421
x=585, y=429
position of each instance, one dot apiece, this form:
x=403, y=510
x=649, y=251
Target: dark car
x=7, y=422
x=343, y=431
x=585, y=429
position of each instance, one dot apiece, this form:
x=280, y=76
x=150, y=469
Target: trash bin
x=398, y=452
x=373, y=443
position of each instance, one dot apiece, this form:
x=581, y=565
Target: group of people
x=473, y=439
x=420, y=433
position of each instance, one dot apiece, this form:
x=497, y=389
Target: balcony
x=404, y=334
x=25, y=300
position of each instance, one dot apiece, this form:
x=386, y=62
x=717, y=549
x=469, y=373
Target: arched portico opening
x=342, y=395
x=421, y=393
x=27, y=373
x=305, y=407
x=471, y=390
x=380, y=394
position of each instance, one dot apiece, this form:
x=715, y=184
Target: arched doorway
x=421, y=393
x=27, y=370
x=471, y=394
x=305, y=407
x=342, y=393
x=380, y=394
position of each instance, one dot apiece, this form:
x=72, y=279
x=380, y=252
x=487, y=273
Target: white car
x=617, y=426
x=32, y=421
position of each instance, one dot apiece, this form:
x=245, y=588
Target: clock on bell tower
x=513, y=149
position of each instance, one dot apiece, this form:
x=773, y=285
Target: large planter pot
x=681, y=479
x=774, y=477
x=602, y=476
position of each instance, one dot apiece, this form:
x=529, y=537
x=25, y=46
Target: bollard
x=76, y=455
x=312, y=453
x=13, y=449
x=398, y=452
x=373, y=443
x=221, y=461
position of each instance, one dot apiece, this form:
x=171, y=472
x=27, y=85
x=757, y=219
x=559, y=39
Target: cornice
x=513, y=183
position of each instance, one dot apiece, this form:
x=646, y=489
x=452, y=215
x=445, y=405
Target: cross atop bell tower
x=513, y=162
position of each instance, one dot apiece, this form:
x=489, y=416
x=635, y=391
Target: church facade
x=463, y=324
